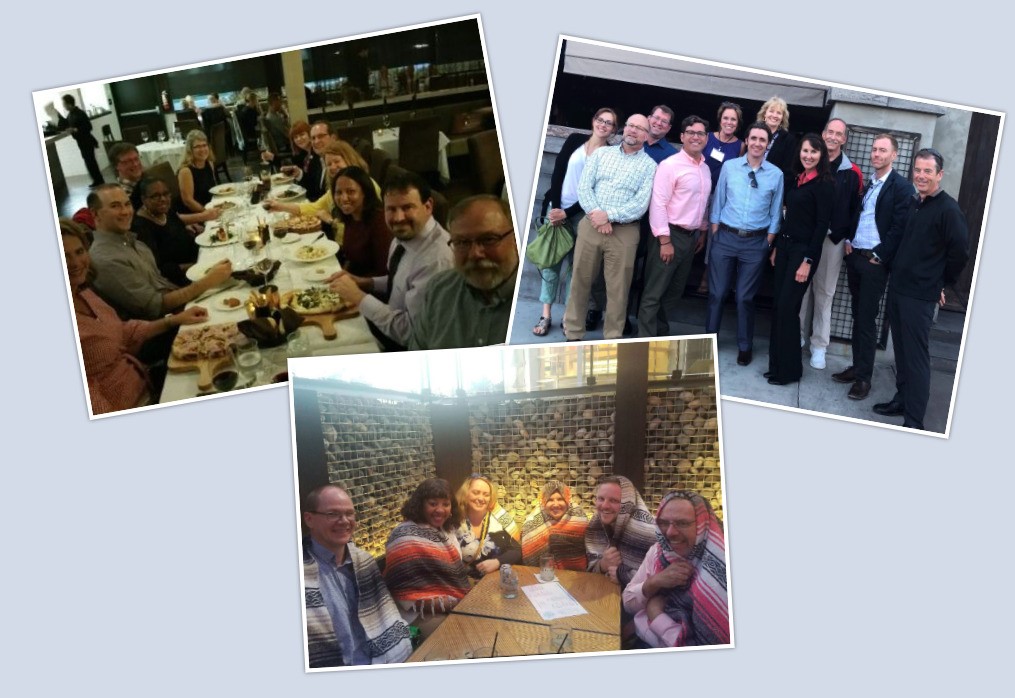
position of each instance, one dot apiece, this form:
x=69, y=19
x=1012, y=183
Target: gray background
x=156, y=554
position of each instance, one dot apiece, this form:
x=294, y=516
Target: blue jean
x=552, y=276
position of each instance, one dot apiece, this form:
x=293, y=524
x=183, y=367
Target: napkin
x=255, y=278
x=266, y=331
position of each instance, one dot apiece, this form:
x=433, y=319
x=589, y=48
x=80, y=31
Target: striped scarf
x=633, y=533
x=483, y=546
x=424, y=566
x=387, y=634
x=564, y=539
x=702, y=608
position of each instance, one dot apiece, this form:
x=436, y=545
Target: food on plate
x=310, y=253
x=225, y=190
x=290, y=194
x=315, y=301
x=281, y=178
x=205, y=343
x=231, y=302
x=222, y=235
x=301, y=224
x=222, y=205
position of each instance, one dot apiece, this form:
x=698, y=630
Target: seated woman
x=423, y=562
x=337, y=156
x=678, y=596
x=488, y=535
x=557, y=527
x=117, y=380
x=197, y=173
x=367, y=240
x=621, y=531
x=159, y=227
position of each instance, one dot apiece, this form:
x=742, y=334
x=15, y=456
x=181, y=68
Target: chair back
x=349, y=134
x=487, y=166
x=379, y=162
x=219, y=148
x=188, y=125
x=132, y=134
x=417, y=145
x=164, y=171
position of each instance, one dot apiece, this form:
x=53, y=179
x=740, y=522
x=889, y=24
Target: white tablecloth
x=154, y=152
x=353, y=335
x=387, y=140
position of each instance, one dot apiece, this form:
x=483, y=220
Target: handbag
x=551, y=245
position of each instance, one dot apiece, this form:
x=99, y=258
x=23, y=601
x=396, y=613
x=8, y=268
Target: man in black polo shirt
x=932, y=251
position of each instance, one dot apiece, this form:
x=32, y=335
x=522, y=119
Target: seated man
x=469, y=305
x=351, y=617
x=418, y=252
x=126, y=275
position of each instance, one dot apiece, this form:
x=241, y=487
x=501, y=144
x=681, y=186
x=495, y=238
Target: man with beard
x=419, y=252
x=469, y=305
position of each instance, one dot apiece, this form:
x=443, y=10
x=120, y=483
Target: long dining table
x=520, y=630
x=353, y=336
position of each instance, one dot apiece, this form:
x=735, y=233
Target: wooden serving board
x=205, y=368
x=327, y=321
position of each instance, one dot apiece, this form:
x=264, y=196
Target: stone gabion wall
x=522, y=443
x=682, y=446
x=379, y=450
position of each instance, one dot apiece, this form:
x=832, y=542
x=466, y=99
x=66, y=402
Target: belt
x=685, y=231
x=869, y=254
x=744, y=233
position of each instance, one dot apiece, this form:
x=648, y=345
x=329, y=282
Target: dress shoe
x=860, y=390
x=775, y=381
x=744, y=357
x=847, y=376
x=893, y=408
x=768, y=374
x=592, y=319
x=818, y=359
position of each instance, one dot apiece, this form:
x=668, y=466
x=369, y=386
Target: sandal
x=542, y=327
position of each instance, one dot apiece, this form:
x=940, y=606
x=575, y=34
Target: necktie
x=396, y=259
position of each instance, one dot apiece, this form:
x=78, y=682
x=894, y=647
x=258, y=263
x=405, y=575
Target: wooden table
x=597, y=594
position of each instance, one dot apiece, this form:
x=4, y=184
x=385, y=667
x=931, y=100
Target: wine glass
x=251, y=241
x=162, y=136
x=226, y=376
x=144, y=135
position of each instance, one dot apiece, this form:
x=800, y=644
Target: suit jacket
x=313, y=179
x=890, y=214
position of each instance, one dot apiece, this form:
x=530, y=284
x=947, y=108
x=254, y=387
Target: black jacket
x=808, y=210
x=313, y=179
x=782, y=153
x=933, y=249
x=551, y=199
x=846, y=206
x=889, y=214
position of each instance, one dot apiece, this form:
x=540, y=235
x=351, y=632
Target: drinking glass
x=546, y=569
x=560, y=634
x=162, y=136
x=297, y=344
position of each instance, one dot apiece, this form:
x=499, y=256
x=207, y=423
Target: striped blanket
x=632, y=533
x=564, y=539
x=424, y=566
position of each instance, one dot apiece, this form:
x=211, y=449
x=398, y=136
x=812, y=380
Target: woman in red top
x=367, y=239
x=117, y=380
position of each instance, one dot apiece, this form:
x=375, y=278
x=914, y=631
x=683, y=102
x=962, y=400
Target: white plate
x=226, y=190
x=278, y=193
x=327, y=249
x=197, y=271
x=209, y=238
x=220, y=302
x=290, y=238
x=280, y=178
x=315, y=274
x=224, y=205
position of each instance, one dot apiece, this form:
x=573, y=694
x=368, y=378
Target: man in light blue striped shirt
x=746, y=214
x=615, y=188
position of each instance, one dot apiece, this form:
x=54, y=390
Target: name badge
x=717, y=155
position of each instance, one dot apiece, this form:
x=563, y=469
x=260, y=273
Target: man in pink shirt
x=678, y=215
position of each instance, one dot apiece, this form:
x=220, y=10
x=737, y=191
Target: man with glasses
x=351, y=617
x=678, y=214
x=614, y=191
x=848, y=182
x=659, y=124
x=470, y=305
x=419, y=251
x=877, y=226
x=929, y=255
x=746, y=214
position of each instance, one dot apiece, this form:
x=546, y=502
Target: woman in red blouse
x=117, y=380
x=367, y=239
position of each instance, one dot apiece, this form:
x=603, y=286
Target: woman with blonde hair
x=488, y=535
x=197, y=173
x=782, y=145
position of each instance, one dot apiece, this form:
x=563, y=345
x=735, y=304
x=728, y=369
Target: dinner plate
x=226, y=190
x=230, y=204
x=220, y=302
x=289, y=238
x=209, y=238
x=324, y=249
x=317, y=274
x=287, y=192
x=280, y=178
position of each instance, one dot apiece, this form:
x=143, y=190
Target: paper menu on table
x=552, y=601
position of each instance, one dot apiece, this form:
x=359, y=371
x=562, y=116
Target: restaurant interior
x=418, y=99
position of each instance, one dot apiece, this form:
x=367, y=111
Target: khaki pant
x=615, y=254
x=818, y=298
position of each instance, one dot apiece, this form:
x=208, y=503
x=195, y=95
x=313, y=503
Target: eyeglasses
x=603, y=122
x=754, y=179
x=695, y=134
x=665, y=525
x=487, y=242
x=333, y=516
x=636, y=126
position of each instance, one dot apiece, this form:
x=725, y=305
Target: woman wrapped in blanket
x=621, y=531
x=678, y=596
x=423, y=562
x=488, y=535
x=557, y=527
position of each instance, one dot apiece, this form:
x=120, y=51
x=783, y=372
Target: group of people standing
x=797, y=204
x=671, y=567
